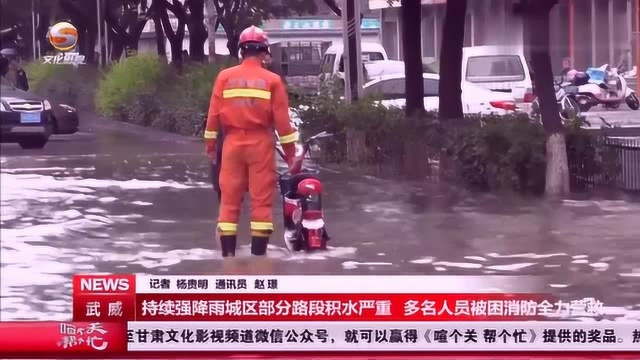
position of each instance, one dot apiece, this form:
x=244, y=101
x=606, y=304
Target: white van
x=498, y=68
x=333, y=60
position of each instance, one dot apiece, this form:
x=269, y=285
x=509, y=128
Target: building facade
x=324, y=25
x=589, y=32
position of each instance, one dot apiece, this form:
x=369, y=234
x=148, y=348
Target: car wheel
x=33, y=143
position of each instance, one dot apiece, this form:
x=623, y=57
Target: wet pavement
x=118, y=198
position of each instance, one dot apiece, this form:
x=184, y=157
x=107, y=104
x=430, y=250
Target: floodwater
x=120, y=199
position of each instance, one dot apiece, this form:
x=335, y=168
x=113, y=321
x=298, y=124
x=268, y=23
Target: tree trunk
x=212, y=20
x=117, y=47
x=197, y=30
x=161, y=44
x=232, y=43
x=91, y=45
x=414, y=84
x=356, y=146
x=536, y=17
x=450, y=89
x=175, y=38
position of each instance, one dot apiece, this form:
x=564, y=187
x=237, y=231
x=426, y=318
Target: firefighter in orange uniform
x=247, y=104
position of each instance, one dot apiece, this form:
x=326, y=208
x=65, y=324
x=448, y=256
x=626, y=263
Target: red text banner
x=49, y=339
x=104, y=298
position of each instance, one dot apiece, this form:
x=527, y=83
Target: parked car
x=333, y=60
x=65, y=119
x=475, y=99
x=501, y=69
x=25, y=118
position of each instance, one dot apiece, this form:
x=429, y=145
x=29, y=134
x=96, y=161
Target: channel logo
x=63, y=36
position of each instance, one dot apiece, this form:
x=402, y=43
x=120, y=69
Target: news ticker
x=382, y=336
x=316, y=298
x=170, y=338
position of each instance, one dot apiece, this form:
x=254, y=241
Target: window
x=395, y=89
x=366, y=57
x=372, y=56
x=327, y=64
x=386, y=89
x=495, y=68
x=431, y=87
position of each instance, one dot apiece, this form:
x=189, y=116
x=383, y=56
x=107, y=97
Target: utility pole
x=352, y=54
x=99, y=20
x=637, y=33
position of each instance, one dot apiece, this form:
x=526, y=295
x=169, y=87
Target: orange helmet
x=254, y=38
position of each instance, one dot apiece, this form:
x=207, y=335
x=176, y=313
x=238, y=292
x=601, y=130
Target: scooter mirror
x=322, y=135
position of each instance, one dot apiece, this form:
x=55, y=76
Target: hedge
x=483, y=153
x=64, y=84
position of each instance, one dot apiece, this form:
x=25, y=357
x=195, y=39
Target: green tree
x=126, y=20
x=236, y=15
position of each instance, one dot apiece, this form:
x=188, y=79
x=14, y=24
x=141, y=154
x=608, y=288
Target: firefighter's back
x=246, y=97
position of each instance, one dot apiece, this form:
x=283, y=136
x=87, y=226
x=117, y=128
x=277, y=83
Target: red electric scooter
x=302, y=203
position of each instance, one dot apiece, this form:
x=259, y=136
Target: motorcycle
x=607, y=88
x=568, y=106
x=302, y=204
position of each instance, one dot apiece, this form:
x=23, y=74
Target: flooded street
x=121, y=199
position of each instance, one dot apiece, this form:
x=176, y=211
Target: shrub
x=170, y=101
x=136, y=76
x=482, y=152
x=64, y=84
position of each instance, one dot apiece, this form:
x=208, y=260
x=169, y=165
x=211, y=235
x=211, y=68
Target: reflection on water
x=156, y=214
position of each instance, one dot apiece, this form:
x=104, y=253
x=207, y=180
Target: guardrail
x=619, y=154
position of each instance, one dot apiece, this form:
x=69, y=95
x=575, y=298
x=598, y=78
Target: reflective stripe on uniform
x=228, y=227
x=248, y=93
x=261, y=225
x=293, y=137
x=210, y=134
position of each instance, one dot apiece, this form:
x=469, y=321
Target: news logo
x=63, y=36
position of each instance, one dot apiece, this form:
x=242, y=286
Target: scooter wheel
x=632, y=101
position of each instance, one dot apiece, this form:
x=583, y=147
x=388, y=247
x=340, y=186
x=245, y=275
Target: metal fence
x=619, y=165
x=626, y=152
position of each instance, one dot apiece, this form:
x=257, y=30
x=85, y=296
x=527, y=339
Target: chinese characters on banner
x=104, y=298
x=44, y=339
x=338, y=313
x=383, y=336
x=292, y=298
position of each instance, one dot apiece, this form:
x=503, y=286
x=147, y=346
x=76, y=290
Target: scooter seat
x=603, y=86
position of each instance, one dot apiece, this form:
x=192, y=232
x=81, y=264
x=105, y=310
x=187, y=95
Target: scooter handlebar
x=296, y=166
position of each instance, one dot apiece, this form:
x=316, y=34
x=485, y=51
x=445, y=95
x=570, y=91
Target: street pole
x=612, y=59
x=99, y=33
x=352, y=53
x=594, y=19
x=107, y=48
x=33, y=27
x=637, y=41
x=38, y=25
